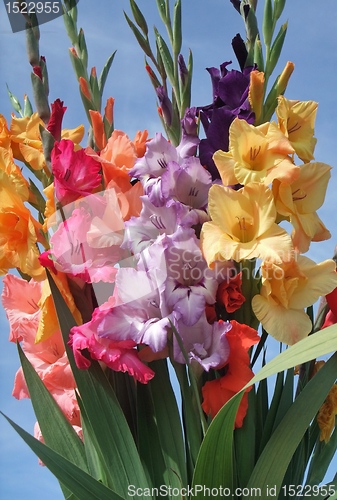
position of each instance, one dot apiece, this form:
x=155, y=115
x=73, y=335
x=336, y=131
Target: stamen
x=162, y=162
x=294, y=128
x=157, y=221
x=154, y=304
x=255, y=153
x=67, y=174
x=242, y=226
x=300, y=196
x=193, y=191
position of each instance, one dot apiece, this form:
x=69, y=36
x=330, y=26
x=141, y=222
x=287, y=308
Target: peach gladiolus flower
x=256, y=154
x=20, y=301
x=5, y=135
x=299, y=202
x=19, y=232
x=26, y=141
x=243, y=226
x=287, y=289
x=296, y=120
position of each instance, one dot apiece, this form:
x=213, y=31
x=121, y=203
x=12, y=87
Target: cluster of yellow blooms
x=245, y=221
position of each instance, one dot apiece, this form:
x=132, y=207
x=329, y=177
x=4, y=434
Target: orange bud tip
x=84, y=88
x=93, y=72
x=160, y=111
x=73, y=51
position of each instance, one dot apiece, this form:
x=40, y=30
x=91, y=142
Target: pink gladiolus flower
x=76, y=173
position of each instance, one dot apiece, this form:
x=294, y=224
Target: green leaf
x=104, y=72
x=76, y=480
x=168, y=423
x=286, y=399
x=269, y=423
x=148, y=438
x=214, y=466
x=112, y=434
x=245, y=442
x=273, y=462
x=321, y=459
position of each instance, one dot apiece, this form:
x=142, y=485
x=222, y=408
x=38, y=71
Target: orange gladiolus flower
x=217, y=392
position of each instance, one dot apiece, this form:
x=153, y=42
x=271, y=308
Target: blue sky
x=208, y=27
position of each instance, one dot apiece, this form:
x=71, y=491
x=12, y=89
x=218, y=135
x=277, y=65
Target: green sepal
x=78, y=66
x=166, y=58
x=139, y=18
x=48, y=142
x=251, y=25
x=186, y=89
x=104, y=73
x=27, y=107
x=32, y=47
x=258, y=54
x=95, y=92
x=83, y=48
x=108, y=129
x=84, y=486
x=14, y=101
x=267, y=26
x=44, y=76
x=40, y=205
x=87, y=105
x=143, y=42
x=40, y=98
x=177, y=31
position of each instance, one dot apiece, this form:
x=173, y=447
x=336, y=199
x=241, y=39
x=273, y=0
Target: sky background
x=208, y=27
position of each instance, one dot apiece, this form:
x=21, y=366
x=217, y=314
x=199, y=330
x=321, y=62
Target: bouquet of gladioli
x=143, y=260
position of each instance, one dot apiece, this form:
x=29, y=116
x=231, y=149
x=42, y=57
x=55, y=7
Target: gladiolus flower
x=217, y=392
x=299, y=202
x=229, y=293
x=55, y=121
x=243, y=226
x=296, y=120
x=256, y=154
x=287, y=289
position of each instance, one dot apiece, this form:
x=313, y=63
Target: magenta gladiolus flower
x=55, y=121
x=75, y=173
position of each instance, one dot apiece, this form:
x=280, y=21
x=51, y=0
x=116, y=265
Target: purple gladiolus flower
x=230, y=100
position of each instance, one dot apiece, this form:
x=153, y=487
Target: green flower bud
x=139, y=18
x=83, y=48
x=70, y=26
x=40, y=99
x=32, y=47
x=278, y=8
x=77, y=64
x=177, y=35
x=267, y=27
x=166, y=57
x=276, y=48
x=27, y=109
x=144, y=44
x=14, y=101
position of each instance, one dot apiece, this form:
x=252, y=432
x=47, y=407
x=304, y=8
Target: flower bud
x=40, y=98
x=27, y=109
x=139, y=18
x=32, y=47
x=165, y=104
x=14, y=101
x=267, y=27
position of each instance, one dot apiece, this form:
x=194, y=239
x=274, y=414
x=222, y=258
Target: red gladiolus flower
x=55, y=121
x=229, y=293
x=217, y=392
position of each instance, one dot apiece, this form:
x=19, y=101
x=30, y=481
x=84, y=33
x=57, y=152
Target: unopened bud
x=32, y=47
x=284, y=77
x=165, y=104
x=84, y=88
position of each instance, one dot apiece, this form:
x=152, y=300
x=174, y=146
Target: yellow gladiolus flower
x=243, y=226
x=326, y=417
x=299, y=202
x=256, y=154
x=19, y=232
x=26, y=140
x=296, y=120
x=49, y=324
x=287, y=289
